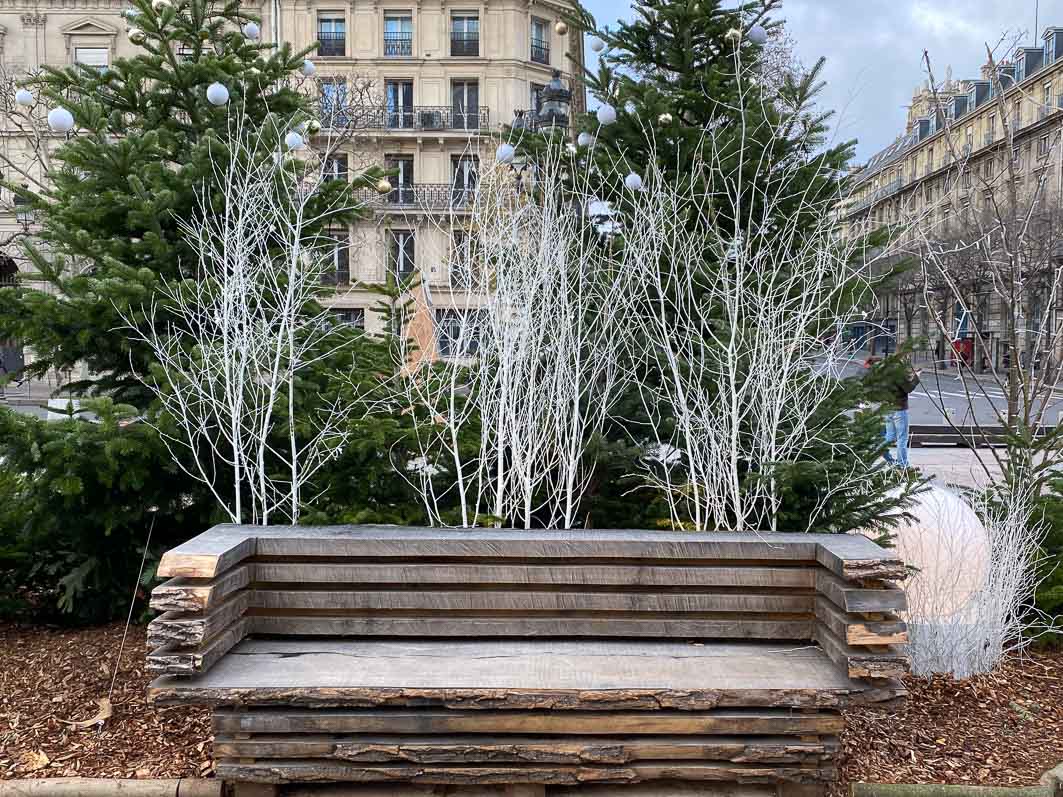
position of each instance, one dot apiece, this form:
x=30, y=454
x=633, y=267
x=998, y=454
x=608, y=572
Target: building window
x=465, y=104
x=398, y=96
x=336, y=168
x=339, y=270
x=331, y=35
x=1046, y=97
x=1016, y=157
x=398, y=36
x=991, y=129
x=1042, y=147
x=966, y=178
x=463, y=169
x=93, y=57
x=1016, y=115
x=458, y=332
x=401, y=252
x=402, y=168
x=351, y=316
x=465, y=34
x=540, y=41
x=464, y=270
x=333, y=102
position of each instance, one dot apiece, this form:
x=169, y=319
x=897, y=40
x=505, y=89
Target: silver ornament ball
x=757, y=34
x=633, y=182
x=561, y=28
x=584, y=139
x=294, y=141
x=24, y=97
x=596, y=44
x=60, y=120
x=251, y=30
x=505, y=153
x=606, y=115
x=665, y=119
x=136, y=35
x=217, y=94
x=308, y=69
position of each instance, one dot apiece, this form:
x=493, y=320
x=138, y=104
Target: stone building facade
x=952, y=163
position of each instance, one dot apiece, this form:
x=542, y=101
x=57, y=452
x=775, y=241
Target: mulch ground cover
x=1000, y=729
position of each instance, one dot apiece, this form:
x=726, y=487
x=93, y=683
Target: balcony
x=398, y=44
x=540, y=51
x=529, y=120
x=420, y=197
x=439, y=118
x=464, y=44
x=331, y=44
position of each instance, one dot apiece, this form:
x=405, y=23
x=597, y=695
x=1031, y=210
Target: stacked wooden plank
x=369, y=654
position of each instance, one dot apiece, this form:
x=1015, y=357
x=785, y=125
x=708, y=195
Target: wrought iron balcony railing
x=465, y=43
x=421, y=196
x=540, y=51
x=529, y=120
x=331, y=43
x=337, y=114
x=398, y=44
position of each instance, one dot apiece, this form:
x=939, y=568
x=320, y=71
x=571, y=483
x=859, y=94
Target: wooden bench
x=528, y=660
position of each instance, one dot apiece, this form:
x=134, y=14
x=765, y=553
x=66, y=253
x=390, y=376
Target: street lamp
x=24, y=212
x=555, y=103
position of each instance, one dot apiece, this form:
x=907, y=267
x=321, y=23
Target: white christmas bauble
x=606, y=114
x=158, y=5
x=251, y=30
x=733, y=35
x=60, y=120
x=665, y=119
x=633, y=182
x=584, y=139
x=596, y=44
x=293, y=140
x=308, y=68
x=136, y=35
x=217, y=94
x=629, y=108
x=561, y=28
x=757, y=34
x=505, y=153
x=24, y=97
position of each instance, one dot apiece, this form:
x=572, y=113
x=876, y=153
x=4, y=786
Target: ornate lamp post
x=555, y=103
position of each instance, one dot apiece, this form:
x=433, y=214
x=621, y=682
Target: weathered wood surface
x=768, y=722
x=886, y=598
x=197, y=595
x=567, y=624
x=530, y=749
x=855, y=631
x=173, y=660
x=311, y=771
x=521, y=673
x=851, y=557
x=874, y=661
x=184, y=630
x=414, y=573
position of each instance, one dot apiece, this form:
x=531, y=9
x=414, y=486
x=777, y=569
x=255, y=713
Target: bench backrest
x=415, y=582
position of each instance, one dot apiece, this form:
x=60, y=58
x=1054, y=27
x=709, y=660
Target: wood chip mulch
x=51, y=678
x=999, y=729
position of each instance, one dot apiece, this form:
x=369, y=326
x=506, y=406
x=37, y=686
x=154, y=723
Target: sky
x=874, y=50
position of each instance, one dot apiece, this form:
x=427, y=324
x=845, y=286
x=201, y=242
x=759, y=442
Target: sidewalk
x=959, y=467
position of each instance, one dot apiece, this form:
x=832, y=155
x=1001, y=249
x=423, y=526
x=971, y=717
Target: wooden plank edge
x=885, y=663
x=172, y=660
x=211, y=553
x=181, y=594
x=856, y=631
x=886, y=566
x=853, y=599
x=179, y=629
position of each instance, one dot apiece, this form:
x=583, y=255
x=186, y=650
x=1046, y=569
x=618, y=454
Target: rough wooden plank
x=510, y=749
x=191, y=661
x=649, y=626
x=854, y=557
x=197, y=595
x=882, y=662
x=768, y=722
x=856, y=599
x=513, y=574
x=184, y=630
x=211, y=553
x=856, y=631
x=311, y=771
x=529, y=601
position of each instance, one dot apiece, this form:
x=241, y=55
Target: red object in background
x=964, y=349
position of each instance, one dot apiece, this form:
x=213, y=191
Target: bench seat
x=538, y=659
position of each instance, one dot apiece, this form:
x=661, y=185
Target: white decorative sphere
x=596, y=44
x=60, y=120
x=251, y=30
x=584, y=139
x=733, y=35
x=630, y=108
x=561, y=28
x=505, y=153
x=293, y=140
x=606, y=114
x=136, y=35
x=665, y=119
x=217, y=94
x=158, y=5
x=308, y=69
x=24, y=97
x=757, y=34
x=633, y=182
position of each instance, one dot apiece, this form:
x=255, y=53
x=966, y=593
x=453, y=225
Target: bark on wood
x=197, y=595
x=190, y=661
x=184, y=630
